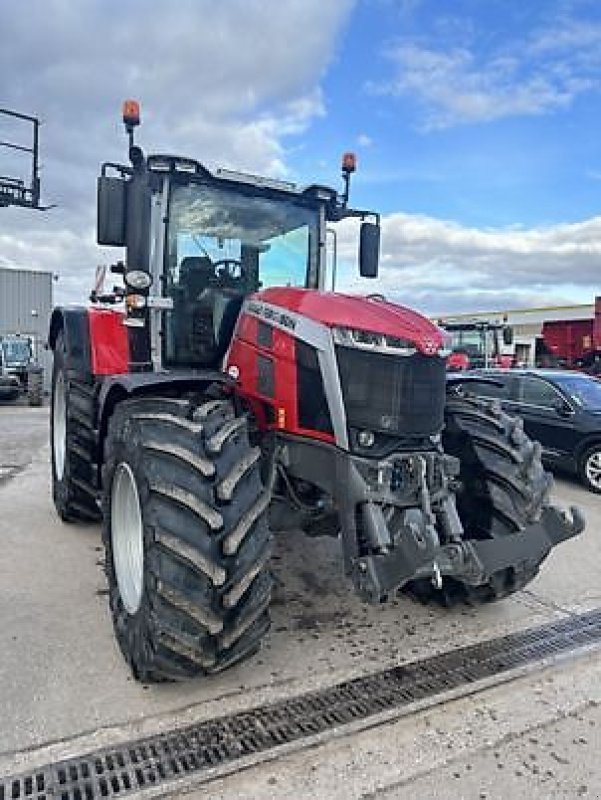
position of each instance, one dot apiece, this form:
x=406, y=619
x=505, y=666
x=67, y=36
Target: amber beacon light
x=131, y=113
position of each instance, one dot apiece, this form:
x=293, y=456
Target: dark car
x=561, y=409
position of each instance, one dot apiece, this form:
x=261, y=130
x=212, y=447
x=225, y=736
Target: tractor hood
x=361, y=313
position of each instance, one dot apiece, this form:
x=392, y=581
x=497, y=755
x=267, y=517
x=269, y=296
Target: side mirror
x=369, y=250
x=111, y=211
x=507, y=335
x=561, y=408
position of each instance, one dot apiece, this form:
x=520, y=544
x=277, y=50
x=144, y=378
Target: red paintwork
x=109, y=345
x=504, y=361
x=568, y=339
x=597, y=325
x=244, y=352
x=458, y=362
x=359, y=312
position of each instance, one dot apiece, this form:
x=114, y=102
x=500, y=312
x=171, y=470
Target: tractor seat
x=195, y=274
x=206, y=312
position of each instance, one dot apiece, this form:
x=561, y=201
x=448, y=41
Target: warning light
x=349, y=162
x=131, y=113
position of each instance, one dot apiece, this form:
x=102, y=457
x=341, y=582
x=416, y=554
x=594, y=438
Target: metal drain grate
x=161, y=759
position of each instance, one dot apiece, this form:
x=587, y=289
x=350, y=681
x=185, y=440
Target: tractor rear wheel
x=72, y=442
x=35, y=387
x=503, y=488
x=186, y=536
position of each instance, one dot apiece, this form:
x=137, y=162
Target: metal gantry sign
x=15, y=191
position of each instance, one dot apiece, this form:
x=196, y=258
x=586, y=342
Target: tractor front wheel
x=502, y=490
x=186, y=536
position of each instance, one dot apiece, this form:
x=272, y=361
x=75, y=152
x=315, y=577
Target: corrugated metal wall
x=25, y=307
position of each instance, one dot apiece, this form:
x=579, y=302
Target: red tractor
x=221, y=394
x=477, y=344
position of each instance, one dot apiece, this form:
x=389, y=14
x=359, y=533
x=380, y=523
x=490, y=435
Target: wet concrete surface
x=63, y=683
x=23, y=431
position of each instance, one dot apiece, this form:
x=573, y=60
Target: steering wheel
x=225, y=268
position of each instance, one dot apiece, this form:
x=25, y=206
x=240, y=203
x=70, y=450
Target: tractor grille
x=226, y=743
x=400, y=395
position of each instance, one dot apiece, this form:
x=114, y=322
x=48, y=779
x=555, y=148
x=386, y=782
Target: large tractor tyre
x=35, y=387
x=72, y=442
x=186, y=536
x=502, y=488
x=8, y=395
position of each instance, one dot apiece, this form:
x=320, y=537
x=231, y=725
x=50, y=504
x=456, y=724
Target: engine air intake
x=397, y=395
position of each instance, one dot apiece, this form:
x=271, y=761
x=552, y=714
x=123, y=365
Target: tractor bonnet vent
x=400, y=395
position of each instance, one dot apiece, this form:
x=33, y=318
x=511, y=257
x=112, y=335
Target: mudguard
x=74, y=324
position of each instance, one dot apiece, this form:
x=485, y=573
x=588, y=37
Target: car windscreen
x=583, y=392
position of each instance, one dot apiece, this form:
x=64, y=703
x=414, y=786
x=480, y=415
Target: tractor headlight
x=374, y=342
x=138, y=279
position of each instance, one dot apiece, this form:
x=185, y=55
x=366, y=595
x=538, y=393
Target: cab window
x=536, y=392
x=499, y=390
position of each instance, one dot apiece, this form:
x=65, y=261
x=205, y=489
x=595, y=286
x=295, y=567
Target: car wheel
x=590, y=469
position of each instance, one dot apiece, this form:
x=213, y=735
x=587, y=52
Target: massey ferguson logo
x=272, y=314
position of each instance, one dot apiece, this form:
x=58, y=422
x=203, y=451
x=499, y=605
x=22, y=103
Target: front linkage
x=473, y=563
x=468, y=519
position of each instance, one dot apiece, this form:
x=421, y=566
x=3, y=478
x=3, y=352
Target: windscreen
x=247, y=241
x=224, y=244
x=478, y=344
x=16, y=351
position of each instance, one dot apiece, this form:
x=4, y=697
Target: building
x=25, y=308
x=527, y=324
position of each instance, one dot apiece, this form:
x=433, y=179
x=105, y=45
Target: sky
x=476, y=126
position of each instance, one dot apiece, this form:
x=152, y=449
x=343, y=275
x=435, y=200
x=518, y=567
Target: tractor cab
x=199, y=241
x=17, y=351
x=477, y=344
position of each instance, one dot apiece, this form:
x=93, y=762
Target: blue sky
x=476, y=123
x=529, y=161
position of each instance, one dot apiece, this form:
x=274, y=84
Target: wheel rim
x=593, y=469
x=127, y=538
x=59, y=426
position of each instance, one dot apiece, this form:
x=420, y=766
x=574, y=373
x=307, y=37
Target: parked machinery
x=477, y=344
x=572, y=343
x=20, y=363
x=221, y=394
x=9, y=385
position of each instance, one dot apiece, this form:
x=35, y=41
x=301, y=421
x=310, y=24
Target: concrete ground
x=64, y=687
x=22, y=433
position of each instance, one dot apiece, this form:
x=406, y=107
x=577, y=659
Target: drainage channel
x=160, y=760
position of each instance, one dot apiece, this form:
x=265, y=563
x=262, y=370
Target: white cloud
x=228, y=83
x=441, y=266
x=363, y=140
x=542, y=73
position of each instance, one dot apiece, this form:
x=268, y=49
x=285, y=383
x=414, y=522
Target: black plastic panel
x=265, y=376
x=265, y=335
x=402, y=395
x=313, y=411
